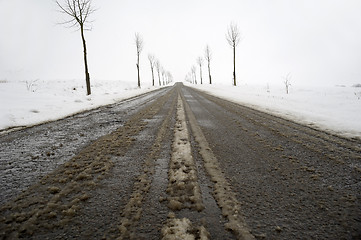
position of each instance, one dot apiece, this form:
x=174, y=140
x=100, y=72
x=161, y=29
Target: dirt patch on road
x=183, y=187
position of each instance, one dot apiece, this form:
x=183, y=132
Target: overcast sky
x=318, y=41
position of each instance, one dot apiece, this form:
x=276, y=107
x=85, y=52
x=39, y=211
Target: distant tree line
x=233, y=38
x=79, y=12
x=164, y=76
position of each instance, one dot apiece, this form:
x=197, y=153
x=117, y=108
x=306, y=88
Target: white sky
x=318, y=41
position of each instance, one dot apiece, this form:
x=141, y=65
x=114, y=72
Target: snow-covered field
x=27, y=103
x=335, y=109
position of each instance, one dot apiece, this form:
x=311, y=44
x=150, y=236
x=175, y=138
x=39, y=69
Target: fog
x=317, y=41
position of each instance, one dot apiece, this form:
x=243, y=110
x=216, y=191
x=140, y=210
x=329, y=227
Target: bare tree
x=79, y=12
x=139, y=45
x=233, y=37
x=170, y=77
x=193, y=70
x=200, y=63
x=208, y=57
x=163, y=75
x=152, y=63
x=158, y=67
x=287, y=82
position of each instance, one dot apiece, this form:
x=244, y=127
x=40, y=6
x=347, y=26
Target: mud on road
x=178, y=163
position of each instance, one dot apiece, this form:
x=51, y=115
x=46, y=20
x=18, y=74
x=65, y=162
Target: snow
x=335, y=109
x=25, y=103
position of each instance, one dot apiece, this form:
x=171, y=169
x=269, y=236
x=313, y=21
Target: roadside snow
x=334, y=109
x=27, y=103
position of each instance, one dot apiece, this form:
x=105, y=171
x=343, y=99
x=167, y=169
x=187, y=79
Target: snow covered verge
x=334, y=109
x=25, y=103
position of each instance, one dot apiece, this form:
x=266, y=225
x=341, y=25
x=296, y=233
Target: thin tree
x=167, y=77
x=152, y=63
x=233, y=37
x=208, y=57
x=193, y=69
x=200, y=63
x=163, y=75
x=287, y=82
x=158, y=67
x=170, y=77
x=139, y=45
x=79, y=12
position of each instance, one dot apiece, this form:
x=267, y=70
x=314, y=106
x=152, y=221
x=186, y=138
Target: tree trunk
x=138, y=70
x=234, y=65
x=159, y=79
x=200, y=72
x=87, y=76
x=152, y=76
x=209, y=73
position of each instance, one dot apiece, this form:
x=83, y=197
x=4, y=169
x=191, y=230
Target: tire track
x=183, y=188
x=338, y=148
x=225, y=197
x=132, y=212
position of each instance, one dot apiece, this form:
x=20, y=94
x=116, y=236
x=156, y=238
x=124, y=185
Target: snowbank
x=25, y=103
x=335, y=109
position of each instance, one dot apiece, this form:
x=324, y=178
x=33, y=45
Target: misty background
x=317, y=41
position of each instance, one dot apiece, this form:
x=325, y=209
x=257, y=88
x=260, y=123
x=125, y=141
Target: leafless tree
x=208, y=57
x=169, y=77
x=79, y=11
x=200, y=63
x=158, y=67
x=287, y=82
x=151, y=59
x=193, y=70
x=31, y=84
x=233, y=37
x=163, y=75
x=139, y=45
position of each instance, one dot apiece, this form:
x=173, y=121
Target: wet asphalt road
x=112, y=173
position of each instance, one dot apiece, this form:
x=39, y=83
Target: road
x=178, y=163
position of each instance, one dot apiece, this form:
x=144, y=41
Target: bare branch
x=151, y=59
x=157, y=65
x=79, y=12
x=287, y=81
x=139, y=43
x=208, y=53
x=233, y=35
x=200, y=61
